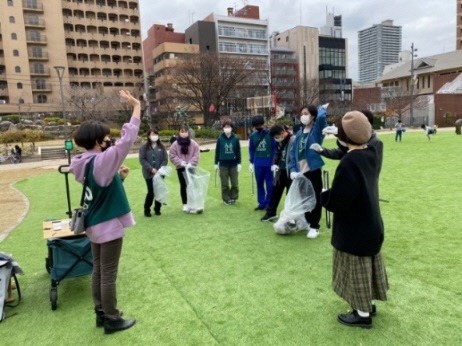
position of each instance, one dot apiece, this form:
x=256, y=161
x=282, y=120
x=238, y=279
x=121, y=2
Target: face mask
x=108, y=144
x=279, y=139
x=305, y=119
x=154, y=138
x=227, y=130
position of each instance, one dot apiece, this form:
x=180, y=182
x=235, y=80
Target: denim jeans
x=105, y=265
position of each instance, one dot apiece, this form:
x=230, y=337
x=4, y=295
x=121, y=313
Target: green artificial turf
x=224, y=277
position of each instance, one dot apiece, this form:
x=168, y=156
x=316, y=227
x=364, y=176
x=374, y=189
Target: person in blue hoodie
x=308, y=162
x=262, y=148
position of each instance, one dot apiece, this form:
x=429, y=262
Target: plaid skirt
x=359, y=280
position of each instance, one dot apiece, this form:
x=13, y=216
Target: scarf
x=184, y=144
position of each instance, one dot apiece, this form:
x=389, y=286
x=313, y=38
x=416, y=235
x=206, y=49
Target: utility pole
x=60, y=72
x=411, y=106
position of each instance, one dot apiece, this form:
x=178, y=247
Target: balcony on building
x=34, y=23
x=42, y=87
x=36, y=39
x=32, y=6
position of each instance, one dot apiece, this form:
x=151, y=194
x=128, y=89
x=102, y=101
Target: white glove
x=330, y=130
x=316, y=147
x=183, y=164
x=295, y=175
x=274, y=168
x=325, y=105
x=251, y=169
x=239, y=167
x=189, y=165
x=216, y=167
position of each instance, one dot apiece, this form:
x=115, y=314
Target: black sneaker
x=259, y=208
x=147, y=214
x=268, y=217
x=352, y=319
x=157, y=212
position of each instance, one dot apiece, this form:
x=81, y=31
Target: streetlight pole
x=411, y=106
x=60, y=72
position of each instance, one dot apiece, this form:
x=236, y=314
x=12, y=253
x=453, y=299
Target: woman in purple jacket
x=107, y=210
x=184, y=153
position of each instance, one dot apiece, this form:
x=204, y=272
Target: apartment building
x=459, y=25
x=92, y=43
x=379, y=46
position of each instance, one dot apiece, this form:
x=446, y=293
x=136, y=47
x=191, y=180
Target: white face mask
x=305, y=119
x=154, y=138
x=227, y=130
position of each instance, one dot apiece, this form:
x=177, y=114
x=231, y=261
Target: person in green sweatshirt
x=228, y=163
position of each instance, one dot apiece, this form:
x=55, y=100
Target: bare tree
x=207, y=78
x=396, y=99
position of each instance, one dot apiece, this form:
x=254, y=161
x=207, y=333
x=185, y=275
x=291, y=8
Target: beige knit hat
x=357, y=127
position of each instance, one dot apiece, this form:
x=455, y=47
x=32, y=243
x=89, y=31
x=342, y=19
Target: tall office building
x=379, y=46
x=459, y=25
x=96, y=44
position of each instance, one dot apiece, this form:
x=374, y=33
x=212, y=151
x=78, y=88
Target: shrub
x=14, y=118
x=207, y=133
x=167, y=133
x=114, y=133
x=54, y=120
x=14, y=136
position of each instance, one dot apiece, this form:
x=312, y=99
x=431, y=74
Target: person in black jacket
x=340, y=151
x=359, y=274
x=152, y=156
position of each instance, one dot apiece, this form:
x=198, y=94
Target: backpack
x=8, y=270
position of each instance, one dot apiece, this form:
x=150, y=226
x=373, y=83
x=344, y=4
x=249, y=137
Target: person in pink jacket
x=184, y=153
x=107, y=212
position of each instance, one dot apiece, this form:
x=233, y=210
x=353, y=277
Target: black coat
x=354, y=201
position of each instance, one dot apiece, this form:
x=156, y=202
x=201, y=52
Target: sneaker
x=352, y=319
x=259, y=208
x=227, y=202
x=232, y=201
x=185, y=208
x=157, y=212
x=268, y=217
x=147, y=213
x=313, y=233
x=192, y=211
x=199, y=211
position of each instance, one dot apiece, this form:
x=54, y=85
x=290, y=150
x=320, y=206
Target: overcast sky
x=430, y=24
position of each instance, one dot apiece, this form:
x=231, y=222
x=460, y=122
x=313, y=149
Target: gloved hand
x=274, y=168
x=325, y=105
x=216, y=167
x=183, y=163
x=295, y=175
x=189, y=165
x=251, y=168
x=239, y=167
x=330, y=130
x=316, y=147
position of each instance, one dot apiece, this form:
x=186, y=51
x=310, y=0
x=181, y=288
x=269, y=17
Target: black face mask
x=108, y=144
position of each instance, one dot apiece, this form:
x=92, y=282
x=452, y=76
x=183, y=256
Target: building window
x=17, y=69
x=14, y=36
x=19, y=85
x=10, y=2
x=12, y=19
x=15, y=52
x=42, y=99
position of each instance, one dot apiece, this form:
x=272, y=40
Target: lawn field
x=224, y=277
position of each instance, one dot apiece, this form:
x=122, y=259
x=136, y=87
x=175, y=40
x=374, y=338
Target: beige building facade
x=96, y=44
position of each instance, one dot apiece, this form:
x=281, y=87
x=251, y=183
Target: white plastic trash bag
x=300, y=199
x=197, y=180
x=159, y=185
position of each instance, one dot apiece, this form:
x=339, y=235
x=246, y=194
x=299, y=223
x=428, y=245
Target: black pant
x=313, y=217
x=281, y=182
x=181, y=177
x=150, y=198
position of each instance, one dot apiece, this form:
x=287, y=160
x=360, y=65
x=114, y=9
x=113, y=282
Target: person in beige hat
x=359, y=274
